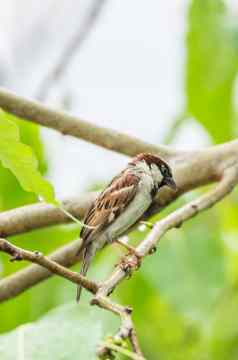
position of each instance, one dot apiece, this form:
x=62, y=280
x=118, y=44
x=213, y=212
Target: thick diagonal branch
x=36, y=216
x=71, y=125
x=203, y=168
x=174, y=220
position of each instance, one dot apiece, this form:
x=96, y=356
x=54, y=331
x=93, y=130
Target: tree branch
x=174, y=220
x=24, y=279
x=190, y=169
x=36, y=216
x=36, y=257
x=211, y=162
x=71, y=125
x=102, y=291
x=126, y=330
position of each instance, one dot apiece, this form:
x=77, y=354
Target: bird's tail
x=87, y=256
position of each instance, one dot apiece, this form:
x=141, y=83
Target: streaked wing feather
x=108, y=206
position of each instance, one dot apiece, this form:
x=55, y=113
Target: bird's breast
x=133, y=212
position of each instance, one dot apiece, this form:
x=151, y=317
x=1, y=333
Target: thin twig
x=73, y=218
x=176, y=125
x=36, y=257
x=111, y=346
x=24, y=279
x=126, y=330
x=72, y=47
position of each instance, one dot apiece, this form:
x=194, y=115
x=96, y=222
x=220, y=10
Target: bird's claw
x=127, y=264
x=129, y=248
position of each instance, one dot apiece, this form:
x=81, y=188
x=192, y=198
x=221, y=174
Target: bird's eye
x=164, y=170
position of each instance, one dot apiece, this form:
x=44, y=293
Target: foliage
x=22, y=162
x=64, y=333
x=212, y=64
x=185, y=295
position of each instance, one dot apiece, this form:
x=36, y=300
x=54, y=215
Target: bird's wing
x=110, y=203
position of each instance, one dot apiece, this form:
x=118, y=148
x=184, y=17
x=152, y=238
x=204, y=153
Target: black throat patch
x=154, y=191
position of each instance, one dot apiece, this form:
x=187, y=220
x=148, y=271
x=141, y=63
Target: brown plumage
x=115, y=199
x=108, y=206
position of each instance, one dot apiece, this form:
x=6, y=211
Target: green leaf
x=30, y=135
x=69, y=332
x=20, y=159
x=212, y=63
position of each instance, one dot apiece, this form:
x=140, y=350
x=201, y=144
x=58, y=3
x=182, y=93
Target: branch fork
x=126, y=331
x=191, y=170
x=102, y=292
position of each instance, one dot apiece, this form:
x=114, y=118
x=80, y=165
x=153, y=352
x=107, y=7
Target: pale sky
x=127, y=76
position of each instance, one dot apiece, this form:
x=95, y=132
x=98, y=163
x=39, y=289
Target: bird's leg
x=127, y=263
x=128, y=247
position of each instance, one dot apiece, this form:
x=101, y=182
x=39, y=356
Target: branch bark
x=45, y=266
x=36, y=216
x=18, y=254
x=126, y=331
x=102, y=291
x=173, y=220
x=71, y=125
x=205, y=167
x=24, y=279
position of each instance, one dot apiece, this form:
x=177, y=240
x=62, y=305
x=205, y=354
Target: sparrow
x=122, y=204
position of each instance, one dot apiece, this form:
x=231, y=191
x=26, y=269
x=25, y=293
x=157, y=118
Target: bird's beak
x=169, y=181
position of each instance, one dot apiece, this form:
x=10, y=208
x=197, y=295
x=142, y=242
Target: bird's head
x=159, y=169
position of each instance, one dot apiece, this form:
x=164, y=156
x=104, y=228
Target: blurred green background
x=186, y=295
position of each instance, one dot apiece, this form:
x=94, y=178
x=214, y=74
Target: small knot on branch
x=178, y=225
x=194, y=207
x=16, y=257
x=152, y=250
x=128, y=310
x=38, y=254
